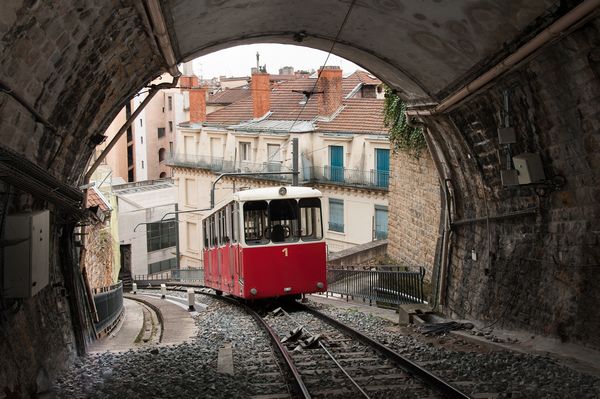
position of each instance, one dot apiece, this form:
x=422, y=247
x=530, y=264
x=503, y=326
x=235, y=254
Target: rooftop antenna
x=257, y=61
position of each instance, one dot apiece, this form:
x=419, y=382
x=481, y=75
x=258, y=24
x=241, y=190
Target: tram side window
x=283, y=220
x=255, y=222
x=213, y=231
x=311, y=226
x=225, y=225
x=234, y=217
x=205, y=233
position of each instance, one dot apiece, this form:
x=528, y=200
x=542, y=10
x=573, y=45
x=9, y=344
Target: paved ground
x=178, y=324
x=123, y=337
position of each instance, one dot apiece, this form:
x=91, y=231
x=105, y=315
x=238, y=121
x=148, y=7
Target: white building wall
x=136, y=209
x=207, y=142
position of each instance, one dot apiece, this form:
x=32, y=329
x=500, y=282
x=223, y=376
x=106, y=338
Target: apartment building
x=343, y=146
x=141, y=153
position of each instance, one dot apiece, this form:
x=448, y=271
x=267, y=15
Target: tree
x=402, y=136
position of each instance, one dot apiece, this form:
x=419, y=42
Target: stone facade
x=414, y=213
x=76, y=65
x=540, y=271
x=99, y=255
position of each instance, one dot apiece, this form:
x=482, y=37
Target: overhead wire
x=335, y=40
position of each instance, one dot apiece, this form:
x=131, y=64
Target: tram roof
x=273, y=193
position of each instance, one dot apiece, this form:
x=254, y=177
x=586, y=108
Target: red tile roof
x=360, y=115
x=229, y=96
x=94, y=199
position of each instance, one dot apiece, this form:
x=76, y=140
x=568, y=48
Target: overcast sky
x=237, y=61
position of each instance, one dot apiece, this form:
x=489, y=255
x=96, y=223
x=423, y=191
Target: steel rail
x=419, y=372
x=352, y=380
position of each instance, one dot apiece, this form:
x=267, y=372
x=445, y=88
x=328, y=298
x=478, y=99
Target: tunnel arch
x=66, y=71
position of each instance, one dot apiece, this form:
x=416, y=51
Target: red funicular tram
x=267, y=242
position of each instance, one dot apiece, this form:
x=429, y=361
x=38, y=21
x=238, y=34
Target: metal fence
x=109, y=305
x=385, y=285
x=194, y=276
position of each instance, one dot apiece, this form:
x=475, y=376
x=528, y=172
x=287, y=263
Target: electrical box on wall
x=507, y=135
x=26, y=254
x=529, y=168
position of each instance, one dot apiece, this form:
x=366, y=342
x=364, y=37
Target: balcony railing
x=350, y=177
x=314, y=174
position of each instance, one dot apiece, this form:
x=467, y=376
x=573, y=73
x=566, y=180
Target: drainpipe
x=153, y=90
x=552, y=32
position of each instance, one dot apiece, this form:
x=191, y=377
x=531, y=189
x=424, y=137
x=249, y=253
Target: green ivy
x=402, y=136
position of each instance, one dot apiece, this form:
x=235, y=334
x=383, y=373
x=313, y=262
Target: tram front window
x=255, y=222
x=311, y=228
x=283, y=220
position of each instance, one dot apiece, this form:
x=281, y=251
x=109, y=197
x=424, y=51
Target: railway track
x=322, y=357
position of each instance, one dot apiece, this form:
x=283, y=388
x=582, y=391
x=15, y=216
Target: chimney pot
x=330, y=84
x=261, y=94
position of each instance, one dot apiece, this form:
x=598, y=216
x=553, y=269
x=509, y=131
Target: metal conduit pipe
x=153, y=90
x=446, y=228
x=161, y=33
x=550, y=33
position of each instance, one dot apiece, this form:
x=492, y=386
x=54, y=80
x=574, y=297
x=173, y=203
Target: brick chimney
x=197, y=97
x=330, y=83
x=261, y=94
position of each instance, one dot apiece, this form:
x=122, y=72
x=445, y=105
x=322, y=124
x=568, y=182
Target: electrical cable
x=335, y=40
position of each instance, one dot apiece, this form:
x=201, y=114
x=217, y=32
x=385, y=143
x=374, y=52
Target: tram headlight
x=253, y=291
x=320, y=285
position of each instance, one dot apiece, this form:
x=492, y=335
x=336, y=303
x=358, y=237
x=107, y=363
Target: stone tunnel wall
x=414, y=214
x=537, y=272
x=76, y=63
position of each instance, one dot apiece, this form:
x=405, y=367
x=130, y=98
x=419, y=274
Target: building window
x=161, y=154
x=163, y=175
x=336, y=215
x=170, y=103
x=170, y=126
x=244, y=151
x=382, y=167
x=161, y=132
x=166, y=264
x=336, y=163
x=381, y=222
x=142, y=139
x=273, y=158
x=170, y=147
x=193, y=241
x=142, y=164
x=191, y=192
x=161, y=235
x=141, y=123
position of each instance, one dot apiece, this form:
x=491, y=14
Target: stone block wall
x=99, y=255
x=76, y=63
x=536, y=272
x=414, y=210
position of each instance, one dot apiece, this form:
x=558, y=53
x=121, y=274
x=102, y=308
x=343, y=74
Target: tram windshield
x=282, y=220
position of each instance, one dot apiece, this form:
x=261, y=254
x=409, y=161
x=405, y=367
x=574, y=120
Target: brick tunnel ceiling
x=425, y=48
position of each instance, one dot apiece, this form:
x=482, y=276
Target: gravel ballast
x=190, y=369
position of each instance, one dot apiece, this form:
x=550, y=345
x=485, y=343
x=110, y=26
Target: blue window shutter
x=382, y=166
x=336, y=215
x=381, y=223
x=336, y=162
